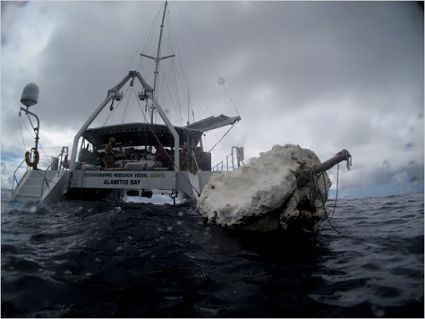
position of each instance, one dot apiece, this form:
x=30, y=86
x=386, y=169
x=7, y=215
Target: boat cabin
x=141, y=146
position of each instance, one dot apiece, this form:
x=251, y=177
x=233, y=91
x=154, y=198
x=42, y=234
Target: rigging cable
x=143, y=41
x=171, y=100
x=30, y=134
x=22, y=135
x=210, y=61
x=177, y=90
x=233, y=125
x=160, y=144
x=172, y=79
x=179, y=55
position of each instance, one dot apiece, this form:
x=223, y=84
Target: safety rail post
x=196, y=162
x=45, y=180
x=14, y=177
x=217, y=165
x=64, y=151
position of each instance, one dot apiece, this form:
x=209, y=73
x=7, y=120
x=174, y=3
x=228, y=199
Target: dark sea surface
x=86, y=259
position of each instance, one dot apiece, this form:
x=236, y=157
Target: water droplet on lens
x=414, y=181
x=377, y=311
x=409, y=146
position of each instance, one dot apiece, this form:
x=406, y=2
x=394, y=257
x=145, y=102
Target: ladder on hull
x=40, y=186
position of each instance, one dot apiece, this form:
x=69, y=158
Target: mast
x=157, y=59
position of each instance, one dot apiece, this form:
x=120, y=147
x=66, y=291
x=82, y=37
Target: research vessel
x=127, y=159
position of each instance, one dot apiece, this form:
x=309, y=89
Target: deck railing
x=60, y=160
x=236, y=154
x=15, y=179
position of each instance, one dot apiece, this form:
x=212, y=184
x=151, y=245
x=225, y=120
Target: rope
x=337, y=187
x=315, y=190
x=336, y=200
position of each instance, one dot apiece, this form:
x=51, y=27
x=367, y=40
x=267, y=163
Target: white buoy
x=30, y=95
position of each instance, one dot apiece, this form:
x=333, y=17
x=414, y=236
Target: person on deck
x=161, y=155
x=109, y=153
x=184, y=157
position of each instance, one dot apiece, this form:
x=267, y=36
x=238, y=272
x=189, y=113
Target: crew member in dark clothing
x=109, y=153
x=162, y=156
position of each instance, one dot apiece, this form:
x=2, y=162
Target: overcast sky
x=324, y=75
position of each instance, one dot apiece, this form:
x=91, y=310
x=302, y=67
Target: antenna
x=29, y=98
x=157, y=59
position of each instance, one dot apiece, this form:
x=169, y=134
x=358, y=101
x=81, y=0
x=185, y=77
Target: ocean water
x=105, y=259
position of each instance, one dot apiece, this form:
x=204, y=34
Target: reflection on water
x=107, y=259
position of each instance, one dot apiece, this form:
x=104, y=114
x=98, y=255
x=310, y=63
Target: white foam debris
x=265, y=184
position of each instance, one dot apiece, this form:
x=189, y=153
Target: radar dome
x=30, y=95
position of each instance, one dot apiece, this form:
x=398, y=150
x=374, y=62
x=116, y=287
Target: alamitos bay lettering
x=121, y=182
x=120, y=179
